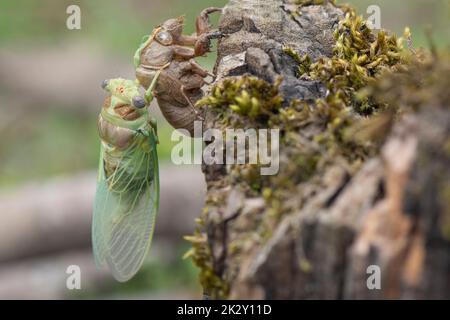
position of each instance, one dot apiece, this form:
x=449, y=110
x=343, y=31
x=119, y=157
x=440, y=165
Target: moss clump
x=304, y=62
x=200, y=254
x=423, y=84
x=245, y=96
x=359, y=56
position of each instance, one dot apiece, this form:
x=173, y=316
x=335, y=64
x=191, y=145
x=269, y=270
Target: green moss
x=304, y=62
x=246, y=96
x=359, y=56
x=424, y=83
x=305, y=265
x=200, y=254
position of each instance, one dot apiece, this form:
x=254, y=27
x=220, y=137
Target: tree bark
x=387, y=213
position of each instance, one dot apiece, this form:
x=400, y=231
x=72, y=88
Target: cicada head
x=124, y=97
x=138, y=102
x=174, y=27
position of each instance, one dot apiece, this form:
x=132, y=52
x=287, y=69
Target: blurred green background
x=113, y=28
x=116, y=27
x=50, y=90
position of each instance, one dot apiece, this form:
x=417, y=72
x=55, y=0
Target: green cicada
x=127, y=196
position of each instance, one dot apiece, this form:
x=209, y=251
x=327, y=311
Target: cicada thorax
x=119, y=137
x=126, y=153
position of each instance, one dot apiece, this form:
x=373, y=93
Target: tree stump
x=331, y=229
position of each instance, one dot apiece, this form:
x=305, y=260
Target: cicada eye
x=105, y=84
x=139, y=102
x=164, y=37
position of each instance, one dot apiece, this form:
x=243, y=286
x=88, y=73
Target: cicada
x=179, y=86
x=127, y=196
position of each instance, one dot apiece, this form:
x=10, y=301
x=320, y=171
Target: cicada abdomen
x=177, y=90
x=127, y=196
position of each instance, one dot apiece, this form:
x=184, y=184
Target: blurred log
x=391, y=211
x=88, y=67
x=41, y=218
x=45, y=277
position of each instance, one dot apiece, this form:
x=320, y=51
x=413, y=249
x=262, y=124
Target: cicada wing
x=124, y=221
x=102, y=206
x=130, y=238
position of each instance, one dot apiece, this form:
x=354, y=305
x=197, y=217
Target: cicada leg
x=190, y=104
x=154, y=126
x=202, y=23
x=198, y=69
x=149, y=92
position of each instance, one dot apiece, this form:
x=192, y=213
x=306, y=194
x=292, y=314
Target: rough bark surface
x=386, y=213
